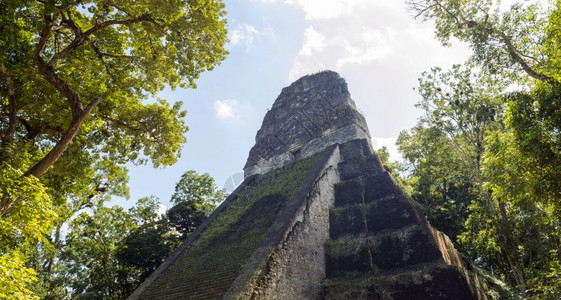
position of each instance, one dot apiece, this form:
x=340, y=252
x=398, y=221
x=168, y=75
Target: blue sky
x=374, y=44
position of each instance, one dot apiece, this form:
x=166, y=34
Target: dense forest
x=77, y=78
x=77, y=81
x=484, y=159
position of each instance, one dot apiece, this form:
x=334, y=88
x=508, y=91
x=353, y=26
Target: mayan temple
x=317, y=217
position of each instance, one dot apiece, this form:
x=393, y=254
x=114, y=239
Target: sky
x=376, y=45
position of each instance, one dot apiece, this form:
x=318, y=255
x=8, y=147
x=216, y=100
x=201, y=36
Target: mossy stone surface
x=208, y=267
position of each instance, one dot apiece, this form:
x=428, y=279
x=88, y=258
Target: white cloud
x=322, y=9
x=162, y=209
x=232, y=110
x=344, y=44
x=344, y=33
x=245, y=34
x=332, y=9
x=226, y=110
x=314, y=41
x=367, y=45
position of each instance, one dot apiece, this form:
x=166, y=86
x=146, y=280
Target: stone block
x=352, y=150
x=350, y=169
x=437, y=283
x=379, y=185
x=391, y=213
x=406, y=247
x=360, y=288
x=349, y=192
x=366, y=166
x=348, y=257
x=348, y=220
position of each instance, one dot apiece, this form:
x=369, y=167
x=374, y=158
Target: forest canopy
x=484, y=158
x=76, y=82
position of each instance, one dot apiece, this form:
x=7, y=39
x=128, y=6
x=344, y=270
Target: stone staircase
x=381, y=246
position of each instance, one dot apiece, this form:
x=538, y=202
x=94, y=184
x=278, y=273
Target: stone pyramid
x=317, y=217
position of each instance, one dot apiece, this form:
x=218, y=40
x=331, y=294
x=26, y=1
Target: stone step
x=349, y=220
x=434, y=282
x=394, y=211
x=389, y=213
x=379, y=185
x=344, y=289
x=354, y=149
x=403, y=248
x=349, y=192
x=349, y=169
x=348, y=257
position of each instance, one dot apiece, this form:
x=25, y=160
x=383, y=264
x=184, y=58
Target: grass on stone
x=208, y=267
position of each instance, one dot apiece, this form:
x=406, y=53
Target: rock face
x=317, y=217
x=314, y=112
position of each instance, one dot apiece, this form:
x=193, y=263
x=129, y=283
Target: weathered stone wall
x=381, y=246
x=207, y=264
x=290, y=263
x=310, y=115
x=148, y=283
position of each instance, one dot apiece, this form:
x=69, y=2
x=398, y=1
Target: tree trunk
x=511, y=252
x=44, y=164
x=53, y=257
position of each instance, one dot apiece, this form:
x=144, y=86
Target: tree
x=445, y=149
x=108, y=252
x=146, y=246
x=513, y=225
x=195, y=197
x=505, y=44
x=75, y=77
x=524, y=224
x=535, y=120
x=89, y=253
x=82, y=55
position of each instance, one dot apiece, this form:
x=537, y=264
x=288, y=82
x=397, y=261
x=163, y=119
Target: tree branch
x=49, y=73
x=44, y=164
x=518, y=59
x=455, y=17
x=81, y=37
x=32, y=133
x=11, y=95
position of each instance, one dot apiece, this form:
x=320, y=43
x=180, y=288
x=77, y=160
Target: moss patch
x=208, y=267
x=367, y=288
x=346, y=246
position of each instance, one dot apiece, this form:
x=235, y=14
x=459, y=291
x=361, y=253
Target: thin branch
x=80, y=38
x=518, y=59
x=105, y=54
x=423, y=10
x=49, y=74
x=34, y=132
x=533, y=58
x=9, y=83
x=44, y=164
x=455, y=17
x=121, y=124
x=102, y=54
